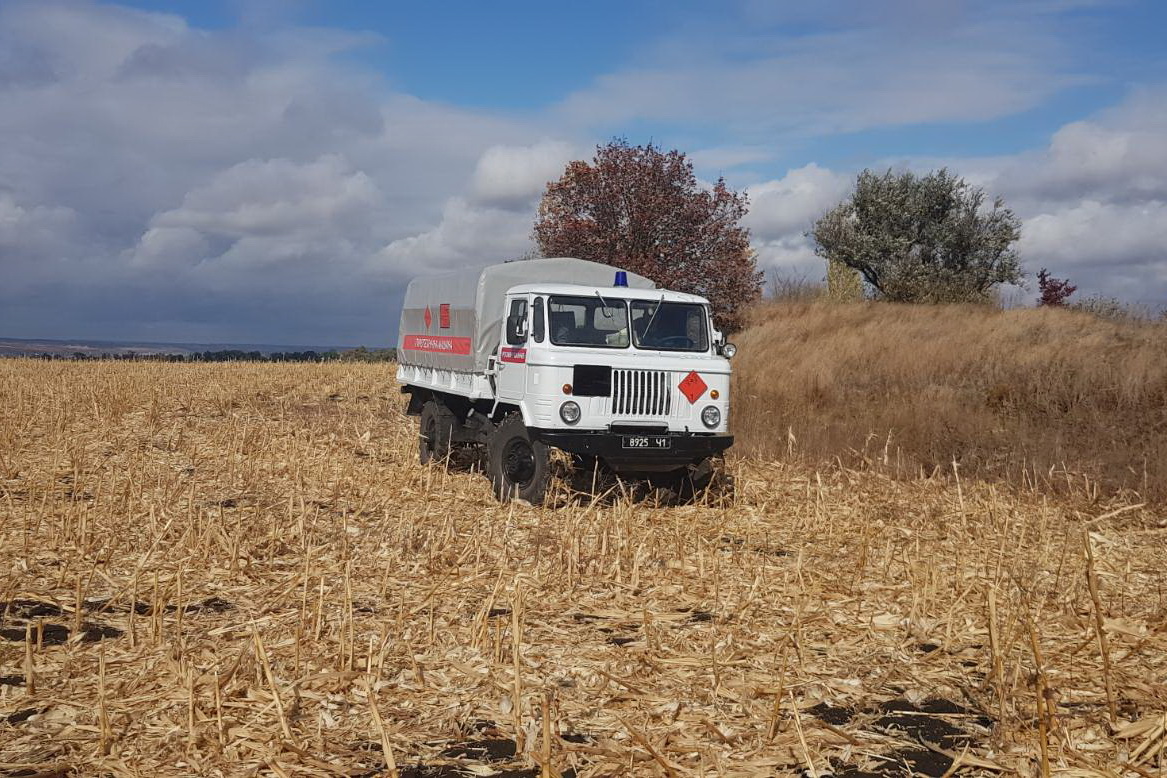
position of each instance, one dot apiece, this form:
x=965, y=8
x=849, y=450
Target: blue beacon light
x=621, y=278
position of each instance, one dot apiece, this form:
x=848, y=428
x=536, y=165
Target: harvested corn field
x=242, y=570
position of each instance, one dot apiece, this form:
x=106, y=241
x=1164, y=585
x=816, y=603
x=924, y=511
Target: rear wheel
x=435, y=428
x=519, y=466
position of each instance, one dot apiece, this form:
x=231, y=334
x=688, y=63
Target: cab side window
x=517, y=323
x=538, y=328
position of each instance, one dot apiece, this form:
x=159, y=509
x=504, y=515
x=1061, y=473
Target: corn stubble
x=242, y=569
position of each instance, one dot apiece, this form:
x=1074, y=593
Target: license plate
x=646, y=441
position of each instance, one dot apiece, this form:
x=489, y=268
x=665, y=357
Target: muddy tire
x=699, y=477
x=519, y=466
x=434, y=430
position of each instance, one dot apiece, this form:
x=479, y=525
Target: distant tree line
x=235, y=355
x=360, y=354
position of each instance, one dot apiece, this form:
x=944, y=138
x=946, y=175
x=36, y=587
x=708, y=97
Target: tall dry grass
x=1056, y=396
x=223, y=570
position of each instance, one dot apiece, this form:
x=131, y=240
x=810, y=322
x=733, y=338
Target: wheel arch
x=418, y=397
x=504, y=409
x=459, y=406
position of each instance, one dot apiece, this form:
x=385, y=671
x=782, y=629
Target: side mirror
x=727, y=350
x=516, y=328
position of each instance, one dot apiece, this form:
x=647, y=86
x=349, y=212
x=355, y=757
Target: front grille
x=641, y=393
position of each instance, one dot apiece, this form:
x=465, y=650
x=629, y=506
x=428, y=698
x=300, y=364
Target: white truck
x=564, y=353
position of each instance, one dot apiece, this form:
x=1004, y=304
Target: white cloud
x=38, y=224
x=1119, y=155
x=783, y=210
x=791, y=257
x=79, y=42
x=279, y=197
x=790, y=205
x=1094, y=201
x=514, y=176
x=753, y=77
x=493, y=221
x=469, y=235
x=1117, y=248
x=170, y=246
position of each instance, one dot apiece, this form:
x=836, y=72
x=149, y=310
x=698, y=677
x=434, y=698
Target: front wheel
x=519, y=466
x=688, y=483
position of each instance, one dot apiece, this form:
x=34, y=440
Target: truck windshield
x=588, y=321
x=669, y=326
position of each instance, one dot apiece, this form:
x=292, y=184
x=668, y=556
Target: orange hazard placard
x=692, y=386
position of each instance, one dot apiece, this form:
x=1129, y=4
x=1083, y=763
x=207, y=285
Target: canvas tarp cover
x=466, y=333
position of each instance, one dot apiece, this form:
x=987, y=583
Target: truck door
x=512, y=350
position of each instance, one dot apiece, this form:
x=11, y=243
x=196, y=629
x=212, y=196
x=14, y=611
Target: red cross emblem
x=692, y=386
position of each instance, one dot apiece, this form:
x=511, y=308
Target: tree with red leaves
x=642, y=209
x=1053, y=291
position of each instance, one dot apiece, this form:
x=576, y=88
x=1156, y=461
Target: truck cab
x=633, y=378
x=615, y=372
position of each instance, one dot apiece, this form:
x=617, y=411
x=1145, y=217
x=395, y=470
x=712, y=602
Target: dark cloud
x=238, y=184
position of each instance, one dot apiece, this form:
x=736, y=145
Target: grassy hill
x=1054, y=396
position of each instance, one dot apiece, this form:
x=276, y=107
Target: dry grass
x=251, y=575
x=1046, y=396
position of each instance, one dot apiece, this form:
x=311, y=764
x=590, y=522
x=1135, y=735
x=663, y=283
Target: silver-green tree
x=926, y=238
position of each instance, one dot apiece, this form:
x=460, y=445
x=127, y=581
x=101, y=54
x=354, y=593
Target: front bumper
x=685, y=448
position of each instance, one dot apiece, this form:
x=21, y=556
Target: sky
x=263, y=171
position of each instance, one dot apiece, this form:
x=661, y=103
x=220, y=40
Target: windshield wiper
x=607, y=313
x=655, y=311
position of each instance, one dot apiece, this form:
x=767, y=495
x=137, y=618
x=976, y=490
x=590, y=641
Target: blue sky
x=262, y=171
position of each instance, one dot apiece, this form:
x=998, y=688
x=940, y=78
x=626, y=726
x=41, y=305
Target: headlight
x=728, y=350
x=569, y=412
x=711, y=417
